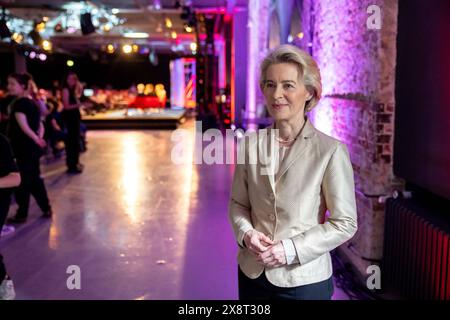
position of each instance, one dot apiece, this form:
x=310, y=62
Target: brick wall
x=358, y=75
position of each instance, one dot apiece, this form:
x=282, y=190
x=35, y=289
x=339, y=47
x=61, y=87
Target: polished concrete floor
x=137, y=226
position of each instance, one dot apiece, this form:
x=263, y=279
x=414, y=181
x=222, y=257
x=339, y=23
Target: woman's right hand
x=257, y=242
x=40, y=142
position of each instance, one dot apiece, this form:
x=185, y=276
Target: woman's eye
x=288, y=86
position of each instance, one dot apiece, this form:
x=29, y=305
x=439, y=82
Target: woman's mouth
x=279, y=106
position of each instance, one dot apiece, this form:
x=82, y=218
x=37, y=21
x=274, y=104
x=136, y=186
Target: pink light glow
x=253, y=48
x=217, y=37
x=322, y=116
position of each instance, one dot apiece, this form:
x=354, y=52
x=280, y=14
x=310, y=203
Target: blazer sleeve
x=239, y=207
x=339, y=192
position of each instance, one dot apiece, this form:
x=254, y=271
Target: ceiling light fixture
x=136, y=35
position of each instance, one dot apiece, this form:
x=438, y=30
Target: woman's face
x=72, y=80
x=284, y=92
x=14, y=88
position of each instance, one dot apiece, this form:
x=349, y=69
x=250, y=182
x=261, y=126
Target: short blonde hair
x=308, y=70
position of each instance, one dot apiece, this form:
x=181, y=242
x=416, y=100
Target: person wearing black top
x=72, y=119
x=54, y=127
x=25, y=133
x=4, y=112
x=9, y=178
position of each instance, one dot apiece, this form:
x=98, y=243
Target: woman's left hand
x=274, y=256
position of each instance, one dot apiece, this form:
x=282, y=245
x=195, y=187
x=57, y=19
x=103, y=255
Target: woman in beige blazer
x=278, y=204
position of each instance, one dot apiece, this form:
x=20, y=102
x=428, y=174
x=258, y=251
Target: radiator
x=416, y=254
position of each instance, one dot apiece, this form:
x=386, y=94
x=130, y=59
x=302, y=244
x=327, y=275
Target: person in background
x=54, y=127
x=39, y=99
x=9, y=178
x=26, y=135
x=4, y=112
x=71, y=94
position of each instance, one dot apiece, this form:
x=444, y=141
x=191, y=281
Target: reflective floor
x=137, y=225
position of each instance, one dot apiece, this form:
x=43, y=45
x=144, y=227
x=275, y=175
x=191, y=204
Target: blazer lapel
x=300, y=146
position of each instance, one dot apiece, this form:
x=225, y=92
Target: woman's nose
x=278, y=92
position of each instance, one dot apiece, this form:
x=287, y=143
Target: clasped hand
x=268, y=252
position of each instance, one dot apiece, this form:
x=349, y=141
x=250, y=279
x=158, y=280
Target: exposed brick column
x=358, y=74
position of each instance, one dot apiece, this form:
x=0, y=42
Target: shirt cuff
x=289, y=251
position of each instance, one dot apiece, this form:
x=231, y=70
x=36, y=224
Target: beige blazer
x=315, y=176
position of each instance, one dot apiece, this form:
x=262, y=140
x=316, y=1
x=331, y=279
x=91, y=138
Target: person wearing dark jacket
x=9, y=178
x=72, y=119
x=26, y=135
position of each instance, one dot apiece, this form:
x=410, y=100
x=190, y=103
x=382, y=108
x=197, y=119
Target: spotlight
x=193, y=46
x=32, y=55
x=17, y=37
x=42, y=56
x=70, y=63
x=135, y=48
x=140, y=88
x=46, y=45
x=39, y=26
x=187, y=28
x=173, y=34
x=168, y=23
x=110, y=48
x=127, y=48
x=107, y=27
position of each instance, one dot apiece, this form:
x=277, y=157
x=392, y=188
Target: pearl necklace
x=285, y=141
x=290, y=141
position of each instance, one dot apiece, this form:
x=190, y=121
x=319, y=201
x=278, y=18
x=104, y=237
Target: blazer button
x=272, y=217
